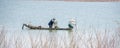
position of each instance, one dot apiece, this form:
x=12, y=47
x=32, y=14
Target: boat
x=43, y=28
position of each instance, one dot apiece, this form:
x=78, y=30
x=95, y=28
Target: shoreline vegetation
x=81, y=39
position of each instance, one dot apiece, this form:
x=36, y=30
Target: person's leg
x=56, y=26
x=50, y=26
x=24, y=25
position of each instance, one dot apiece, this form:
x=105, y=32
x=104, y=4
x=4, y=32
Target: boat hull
x=51, y=28
x=42, y=28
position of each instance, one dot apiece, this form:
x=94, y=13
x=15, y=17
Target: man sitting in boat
x=52, y=22
x=31, y=26
x=71, y=23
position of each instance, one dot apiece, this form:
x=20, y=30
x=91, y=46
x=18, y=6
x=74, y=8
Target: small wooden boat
x=42, y=28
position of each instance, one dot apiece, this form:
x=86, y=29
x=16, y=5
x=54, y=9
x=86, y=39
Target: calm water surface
x=96, y=22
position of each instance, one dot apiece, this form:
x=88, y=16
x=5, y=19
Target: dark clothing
x=70, y=26
x=50, y=23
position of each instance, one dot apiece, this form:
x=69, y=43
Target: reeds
x=3, y=38
x=80, y=39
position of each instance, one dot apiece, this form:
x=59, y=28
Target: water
x=97, y=24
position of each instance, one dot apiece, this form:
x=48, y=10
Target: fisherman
x=52, y=21
x=55, y=24
x=71, y=23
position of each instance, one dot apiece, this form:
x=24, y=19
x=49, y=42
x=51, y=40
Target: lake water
x=98, y=24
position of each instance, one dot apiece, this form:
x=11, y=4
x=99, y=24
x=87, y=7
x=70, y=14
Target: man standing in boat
x=52, y=23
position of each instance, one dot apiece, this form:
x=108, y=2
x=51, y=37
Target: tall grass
x=3, y=38
x=81, y=39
